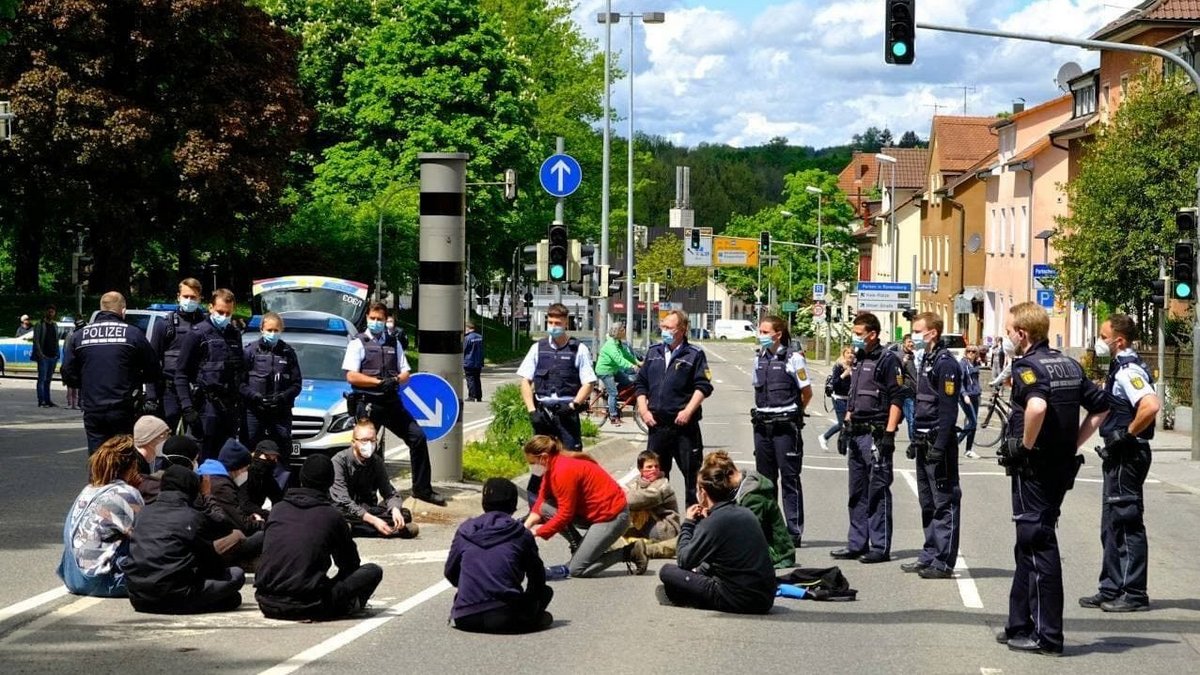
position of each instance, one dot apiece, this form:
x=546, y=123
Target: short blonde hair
x=684, y=322
x=112, y=301
x=1031, y=318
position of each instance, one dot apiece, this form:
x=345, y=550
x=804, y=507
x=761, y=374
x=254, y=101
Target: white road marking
x=410, y=557
x=967, y=589
x=990, y=671
x=354, y=632
x=32, y=603
x=715, y=355
x=72, y=450
x=51, y=619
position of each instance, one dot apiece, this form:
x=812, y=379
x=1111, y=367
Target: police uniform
x=170, y=341
x=208, y=375
x=382, y=356
x=109, y=361
x=1122, y=530
x=556, y=375
x=935, y=445
x=271, y=385
x=668, y=378
x=778, y=379
x=1040, y=480
x=877, y=384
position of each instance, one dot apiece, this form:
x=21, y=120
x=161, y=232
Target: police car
x=320, y=317
x=16, y=353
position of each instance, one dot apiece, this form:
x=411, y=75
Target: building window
x=946, y=254
x=1124, y=86
x=1084, y=94
x=714, y=313
x=1003, y=233
x=693, y=293
x=994, y=227
x=1024, y=229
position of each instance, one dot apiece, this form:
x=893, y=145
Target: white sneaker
x=971, y=454
x=823, y=443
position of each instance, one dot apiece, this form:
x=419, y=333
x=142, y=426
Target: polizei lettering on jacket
x=103, y=334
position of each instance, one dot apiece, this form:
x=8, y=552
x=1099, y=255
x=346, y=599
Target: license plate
x=295, y=448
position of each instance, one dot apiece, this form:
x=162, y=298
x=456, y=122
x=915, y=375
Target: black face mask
x=262, y=465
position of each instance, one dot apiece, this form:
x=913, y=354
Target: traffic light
x=582, y=261
x=481, y=294
x=899, y=29
x=1158, y=293
x=83, y=268
x=695, y=239
x=764, y=243
x=558, y=255
x=615, y=283
x=1185, y=271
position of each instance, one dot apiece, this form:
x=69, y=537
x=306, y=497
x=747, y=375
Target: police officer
x=556, y=379
x=208, y=376
x=168, y=342
x=109, y=361
x=376, y=368
x=671, y=384
x=1038, y=451
x=1127, y=432
x=877, y=394
x=271, y=385
x=781, y=394
x=935, y=448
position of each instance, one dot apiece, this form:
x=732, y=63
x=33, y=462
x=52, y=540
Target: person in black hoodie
x=267, y=477
x=489, y=557
x=724, y=560
x=305, y=531
x=233, y=504
x=172, y=569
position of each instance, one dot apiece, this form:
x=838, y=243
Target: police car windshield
x=320, y=361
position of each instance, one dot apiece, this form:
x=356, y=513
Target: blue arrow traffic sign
x=560, y=175
x=432, y=402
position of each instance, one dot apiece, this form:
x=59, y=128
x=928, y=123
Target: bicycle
x=597, y=410
x=993, y=426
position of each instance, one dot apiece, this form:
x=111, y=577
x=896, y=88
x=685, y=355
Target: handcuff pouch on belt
x=771, y=419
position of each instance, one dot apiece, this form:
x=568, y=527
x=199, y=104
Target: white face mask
x=241, y=478
x=537, y=469
x=366, y=449
x=918, y=342
x=1009, y=347
x=1102, y=348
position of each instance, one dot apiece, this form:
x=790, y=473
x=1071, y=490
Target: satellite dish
x=1067, y=72
x=974, y=242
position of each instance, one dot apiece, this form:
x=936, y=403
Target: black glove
x=911, y=452
x=540, y=420
x=387, y=384
x=1012, y=452
x=272, y=401
x=843, y=442
x=886, y=442
x=579, y=406
x=1119, y=442
x=934, y=454
x=149, y=407
x=190, y=416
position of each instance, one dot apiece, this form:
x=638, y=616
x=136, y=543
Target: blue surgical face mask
x=668, y=338
x=219, y=320
x=376, y=327
x=556, y=331
x=858, y=342
x=765, y=341
x=188, y=305
x=270, y=338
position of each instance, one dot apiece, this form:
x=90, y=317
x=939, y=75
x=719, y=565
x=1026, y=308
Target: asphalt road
x=899, y=623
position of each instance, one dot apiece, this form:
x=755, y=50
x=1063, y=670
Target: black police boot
x=874, y=557
x=845, y=554
x=915, y=566
x=1094, y=601
x=1032, y=645
x=1124, y=604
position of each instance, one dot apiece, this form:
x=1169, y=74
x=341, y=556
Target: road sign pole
x=440, y=317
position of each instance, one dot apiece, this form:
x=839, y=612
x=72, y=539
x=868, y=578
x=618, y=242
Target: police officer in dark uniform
x=671, y=384
x=271, y=385
x=168, y=342
x=1038, y=451
x=376, y=368
x=781, y=394
x=208, y=376
x=109, y=361
x=1127, y=432
x=556, y=379
x=935, y=449
x=877, y=393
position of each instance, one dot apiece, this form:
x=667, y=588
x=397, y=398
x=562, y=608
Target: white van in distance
x=733, y=329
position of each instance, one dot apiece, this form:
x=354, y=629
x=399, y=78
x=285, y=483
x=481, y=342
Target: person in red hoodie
x=576, y=491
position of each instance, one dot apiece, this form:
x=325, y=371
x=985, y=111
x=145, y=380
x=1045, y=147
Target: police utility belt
x=760, y=418
x=873, y=428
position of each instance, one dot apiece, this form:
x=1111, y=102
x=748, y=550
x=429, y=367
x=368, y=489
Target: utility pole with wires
x=970, y=88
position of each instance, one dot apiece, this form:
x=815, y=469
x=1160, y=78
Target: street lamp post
x=888, y=159
x=828, y=263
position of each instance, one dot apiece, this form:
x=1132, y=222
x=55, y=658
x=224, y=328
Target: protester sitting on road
x=172, y=568
x=233, y=504
x=97, y=529
x=489, y=558
x=304, y=533
x=653, y=508
x=363, y=491
x=724, y=563
x=578, y=492
x=149, y=435
x=267, y=478
x=181, y=450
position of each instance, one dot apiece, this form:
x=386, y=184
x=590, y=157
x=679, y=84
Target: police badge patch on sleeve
x=802, y=374
x=708, y=373
x=1137, y=382
x=1028, y=376
x=900, y=379
x=949, y=387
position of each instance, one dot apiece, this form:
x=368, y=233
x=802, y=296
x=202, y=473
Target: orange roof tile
x=1153, y=11
x=863, y=170
x=1017, y=116
x=960, y=142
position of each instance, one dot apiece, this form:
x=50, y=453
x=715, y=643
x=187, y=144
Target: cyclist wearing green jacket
x=615, y=367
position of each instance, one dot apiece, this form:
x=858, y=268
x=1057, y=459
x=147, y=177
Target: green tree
x=1137, y=171
x=8, y=9
x=663, y=257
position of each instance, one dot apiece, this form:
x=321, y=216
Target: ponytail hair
x=780, y=325
x=116, y=459
x=541, y=445
x=717, y=479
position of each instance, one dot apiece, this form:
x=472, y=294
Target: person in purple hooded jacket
x=490, y=556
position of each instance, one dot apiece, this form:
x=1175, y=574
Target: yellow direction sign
x=735, y=252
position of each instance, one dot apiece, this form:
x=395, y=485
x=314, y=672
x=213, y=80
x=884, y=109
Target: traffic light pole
x=1195, y=78
x=1160, y=387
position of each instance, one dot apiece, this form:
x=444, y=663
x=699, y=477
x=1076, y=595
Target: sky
x=740, y=72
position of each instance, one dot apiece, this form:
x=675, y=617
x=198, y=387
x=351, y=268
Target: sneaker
x=636, y=559
x=971, y=454
x=821, y=441
x=557, y=573
x=615, y=420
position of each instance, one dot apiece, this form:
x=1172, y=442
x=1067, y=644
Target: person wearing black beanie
x=304, y=533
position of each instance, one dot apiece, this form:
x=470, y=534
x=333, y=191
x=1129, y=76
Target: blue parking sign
x=1045, y=298
x=432, y=402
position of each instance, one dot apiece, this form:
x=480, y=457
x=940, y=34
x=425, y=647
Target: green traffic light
x=558, y=272
x=1183, y=290
x=899, y=49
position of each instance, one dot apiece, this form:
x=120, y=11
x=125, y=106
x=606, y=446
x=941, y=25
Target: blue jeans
x=972, y=412
x=839, y=414
x=910, y=408
x=45, y=374
x=613, y=382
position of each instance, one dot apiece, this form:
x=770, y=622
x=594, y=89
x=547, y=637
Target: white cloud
x=813, y=70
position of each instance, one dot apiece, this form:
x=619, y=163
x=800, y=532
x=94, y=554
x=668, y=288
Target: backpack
x=829, y=385
x=820, y=583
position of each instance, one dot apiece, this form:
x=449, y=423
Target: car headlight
x=340, y=423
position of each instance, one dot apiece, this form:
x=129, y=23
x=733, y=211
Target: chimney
x=1018, y=105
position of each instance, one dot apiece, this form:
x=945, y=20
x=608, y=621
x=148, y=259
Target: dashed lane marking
x=967, y=589
x=32, y=603
x=51, y=619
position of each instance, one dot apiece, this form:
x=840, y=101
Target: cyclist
x=616, y=367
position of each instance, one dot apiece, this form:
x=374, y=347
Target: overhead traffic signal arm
x=899, y=31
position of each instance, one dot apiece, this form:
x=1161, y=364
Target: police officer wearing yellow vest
x=671, y=384
x=376, y=368
x=935, y=448
x=1127, y=432
x=1038, y=452
x=781, y=394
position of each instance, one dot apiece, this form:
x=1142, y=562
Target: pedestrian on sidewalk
x=45, y=354
x=25, y=327
x=473, y=362
x=972, y=390
x=839, y=390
